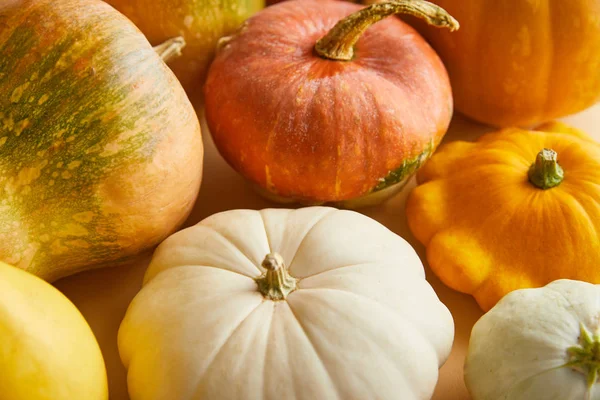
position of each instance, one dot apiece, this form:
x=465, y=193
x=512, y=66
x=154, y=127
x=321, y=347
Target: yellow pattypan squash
x=47, y=350
x=515, y=209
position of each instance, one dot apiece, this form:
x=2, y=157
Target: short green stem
x=276, y=283
x=171, y=48
x=339, y=42
x=545, y=173
x=585, y=356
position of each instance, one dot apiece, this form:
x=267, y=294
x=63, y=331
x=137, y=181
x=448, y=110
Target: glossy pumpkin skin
x=47, y=351
x=101, y=152
x=521, y=63
x=201, y=22
x=488, y=230
x=312, y=130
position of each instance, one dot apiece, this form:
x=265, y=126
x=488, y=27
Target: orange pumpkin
x=100, y=149
x=313, y=113
x=521, y=62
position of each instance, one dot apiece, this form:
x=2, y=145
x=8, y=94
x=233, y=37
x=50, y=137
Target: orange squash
x=515, y=209
x=520, y=63
x=100, y=149
x=201, y=23
x=313, y=110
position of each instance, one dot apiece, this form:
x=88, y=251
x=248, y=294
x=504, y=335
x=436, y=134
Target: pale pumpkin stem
x=339, y=42
x=545, y=173
x=585, y=356
x=276, y=283
x=171, y=48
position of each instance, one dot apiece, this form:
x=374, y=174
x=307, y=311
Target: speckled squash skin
x=312, y=130
x=100, y=150
x=201, y=22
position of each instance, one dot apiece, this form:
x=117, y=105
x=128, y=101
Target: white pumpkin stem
x=545, y=173
x=339, y=42
x=171, y=48
x=276, y=283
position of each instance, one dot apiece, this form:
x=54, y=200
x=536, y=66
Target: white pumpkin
x=538, y=344
x=314, y=303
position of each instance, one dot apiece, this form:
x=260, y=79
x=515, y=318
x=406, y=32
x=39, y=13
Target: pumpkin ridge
x=373, y=301
x=317, y=354
x=262, y=219
x=336, y=268
x=442, y=270
x=210, y=267
x=583, y=212
x=233, y=245
x=270, y=136
x=421, y=194
x=267, y=348
x=214, y=356
x=388, y=310
x=379, y=117
x=337, y=134
x=423, y=232
x=324, y=216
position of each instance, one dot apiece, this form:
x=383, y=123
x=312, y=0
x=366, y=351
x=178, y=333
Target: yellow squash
x=47, y=350
x=200, y=22
x=515, y=209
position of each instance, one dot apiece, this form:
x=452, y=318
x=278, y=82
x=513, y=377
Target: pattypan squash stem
x=170, y=49
x=276, y=283
x=339, y=42
x=545, y=173
x=585, y=356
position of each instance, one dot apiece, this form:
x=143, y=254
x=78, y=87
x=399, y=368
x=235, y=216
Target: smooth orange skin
x=316, y=130
x=521, y=63
x=489, y=231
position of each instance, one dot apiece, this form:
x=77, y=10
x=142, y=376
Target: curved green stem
x=276, y=283
x=545, y=173
x=585, y=357
x=339, y=42
x=171, y=48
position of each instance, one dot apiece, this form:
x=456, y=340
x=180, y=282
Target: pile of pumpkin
x=315, y=103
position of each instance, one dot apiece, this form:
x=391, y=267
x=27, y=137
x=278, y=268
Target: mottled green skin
x=387, y=187
x=83, y=98
x=406, y=170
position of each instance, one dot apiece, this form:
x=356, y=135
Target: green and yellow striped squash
x=100, y=149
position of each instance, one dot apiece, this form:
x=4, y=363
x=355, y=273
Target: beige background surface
x=103, y=295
